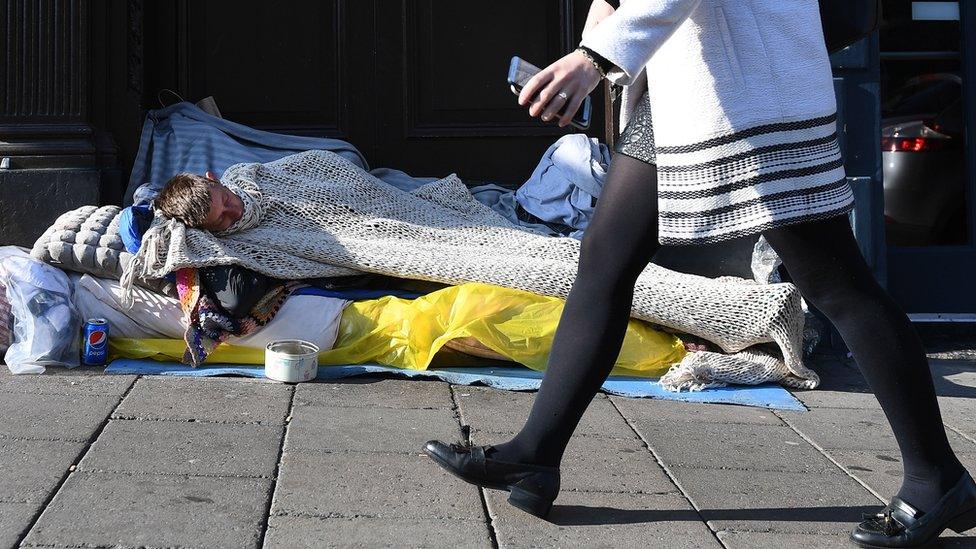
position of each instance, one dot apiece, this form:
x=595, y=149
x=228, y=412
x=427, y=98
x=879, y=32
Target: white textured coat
x=742, y=101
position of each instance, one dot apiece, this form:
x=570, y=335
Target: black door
x=417, y=85
x=928, y=66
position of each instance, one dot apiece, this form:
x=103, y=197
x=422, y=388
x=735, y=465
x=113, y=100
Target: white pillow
x=311, y=318
x=152, y=316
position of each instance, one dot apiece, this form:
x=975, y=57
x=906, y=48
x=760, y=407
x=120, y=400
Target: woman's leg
x=618, y=243
x=824, y=262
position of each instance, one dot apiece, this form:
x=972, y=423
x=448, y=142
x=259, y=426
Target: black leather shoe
x=533, y=487
x=901, y=525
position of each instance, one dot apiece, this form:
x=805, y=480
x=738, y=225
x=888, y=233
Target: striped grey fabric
x=751, y=180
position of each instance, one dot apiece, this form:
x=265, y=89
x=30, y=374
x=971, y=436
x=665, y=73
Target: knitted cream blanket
x=316, y=214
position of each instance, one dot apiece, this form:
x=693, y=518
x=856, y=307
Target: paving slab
x=215, y=400
x=58, y=381
x=158, y=511
x=732, y=446
x=776, y=540
x=954, y=378
x=850, y=399
x=287, y=532
x=30, y=470
x=670, y=411
x=773, y=501
x=500, y=412
x=372, y=485
x=595, y=464
x=368, y=429
x=960, y=413
x=185, y=448
x=376, y=393
x=353, y=473
x=840, y=389
x=883, y=471
x=599, y=464
x=837, y=374
x=586, y=519
x=15, y=518
x=74, y=417
x=838, y=429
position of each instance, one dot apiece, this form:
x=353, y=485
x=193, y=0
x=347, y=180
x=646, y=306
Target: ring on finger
x=562, y=95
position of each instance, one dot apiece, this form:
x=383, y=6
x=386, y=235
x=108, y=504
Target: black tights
x=824, y=262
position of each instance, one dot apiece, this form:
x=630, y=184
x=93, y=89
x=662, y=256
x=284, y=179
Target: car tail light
x=914, y=136
x=914, y=144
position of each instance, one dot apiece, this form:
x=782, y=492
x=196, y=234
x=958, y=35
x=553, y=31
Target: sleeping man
x=200, y=201
x=316, y=214
x=203, y=202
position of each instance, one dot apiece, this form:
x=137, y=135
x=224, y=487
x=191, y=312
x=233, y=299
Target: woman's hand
x=560, y=87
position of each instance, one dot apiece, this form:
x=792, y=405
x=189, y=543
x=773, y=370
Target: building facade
x=419, y=85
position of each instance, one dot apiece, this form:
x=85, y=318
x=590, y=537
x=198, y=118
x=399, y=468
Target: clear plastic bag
x=47, y=326
x=765, y=263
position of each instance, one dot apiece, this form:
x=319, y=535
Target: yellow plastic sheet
x=407, y=333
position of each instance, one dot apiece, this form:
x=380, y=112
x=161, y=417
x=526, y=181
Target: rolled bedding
x=156, y=316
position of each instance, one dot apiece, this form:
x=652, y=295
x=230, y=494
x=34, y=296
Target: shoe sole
x=960, y=523
x=518, y=498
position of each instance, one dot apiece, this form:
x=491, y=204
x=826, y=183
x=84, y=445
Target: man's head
x=200, y=202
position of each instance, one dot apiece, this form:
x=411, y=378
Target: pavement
x=91, y=460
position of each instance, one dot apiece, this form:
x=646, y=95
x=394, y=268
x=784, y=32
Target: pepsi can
x=95, y=352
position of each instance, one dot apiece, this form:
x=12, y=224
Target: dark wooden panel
x=456, y=60
x=45, y=63
x=44, y=83
x=449, y=108
x=417, y=85
x=275, y=64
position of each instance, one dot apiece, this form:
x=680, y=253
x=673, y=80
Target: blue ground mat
x=511, y=379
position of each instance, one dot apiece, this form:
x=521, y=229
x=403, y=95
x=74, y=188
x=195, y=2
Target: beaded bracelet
x=588, y=55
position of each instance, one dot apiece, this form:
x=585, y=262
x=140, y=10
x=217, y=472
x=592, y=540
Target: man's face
x=225, y=207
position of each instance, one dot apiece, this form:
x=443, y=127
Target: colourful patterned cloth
x=207, y=323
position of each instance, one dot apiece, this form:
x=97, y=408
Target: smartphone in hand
x=521, y=71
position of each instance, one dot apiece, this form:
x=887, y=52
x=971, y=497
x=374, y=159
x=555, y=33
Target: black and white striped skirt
x=743, y=182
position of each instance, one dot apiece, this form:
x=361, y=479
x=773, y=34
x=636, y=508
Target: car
x=923, y=153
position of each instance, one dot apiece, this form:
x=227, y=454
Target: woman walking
x=744, y=141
